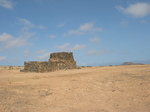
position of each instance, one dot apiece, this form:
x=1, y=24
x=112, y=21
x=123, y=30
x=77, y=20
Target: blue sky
x=98, y=32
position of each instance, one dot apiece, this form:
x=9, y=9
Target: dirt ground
x=90, y=89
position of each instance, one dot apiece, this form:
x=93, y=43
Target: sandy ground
x=90, y=89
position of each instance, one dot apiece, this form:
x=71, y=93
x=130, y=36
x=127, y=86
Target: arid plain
x=89, y=89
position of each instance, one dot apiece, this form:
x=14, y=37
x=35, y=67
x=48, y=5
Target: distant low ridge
x=130, y=63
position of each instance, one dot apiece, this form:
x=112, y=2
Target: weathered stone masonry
x=57, y=61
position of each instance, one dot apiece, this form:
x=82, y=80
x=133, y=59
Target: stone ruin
x=57, y=61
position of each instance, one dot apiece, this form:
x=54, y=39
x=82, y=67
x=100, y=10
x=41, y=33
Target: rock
x=57, y=61
x=130, y=63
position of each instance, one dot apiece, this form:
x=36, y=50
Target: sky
x=98, y=32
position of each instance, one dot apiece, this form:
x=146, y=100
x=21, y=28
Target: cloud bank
x=65, y=47
x=136, y=10
x=43, y=57
x=95, y=52
x=2, y=58
x=95, y=40
x=85, y=28
x=9, y=41
x=6, y=4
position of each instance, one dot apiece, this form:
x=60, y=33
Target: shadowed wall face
x=57, y=61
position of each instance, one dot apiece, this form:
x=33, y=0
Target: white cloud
x=25, y=22
x=9, y=41
x=6, y=4
x=95, y=40
x=5, y=37
x=136, y=10
x=26, y=53
x=28, y=25
x=65, y=47
x=17, y=42
x=41, y=51
x=25, y=30
x=77, y=47
x=95, y=52
x=43, y=1
x=52, y=36
x=73, y=32
x=25, y=33
x=61, y=25
x=124, y=23
x=92, y=52
x=44, y=56
x=85, y=28
x=2, y=58
x=143, y=21
x=41, y=27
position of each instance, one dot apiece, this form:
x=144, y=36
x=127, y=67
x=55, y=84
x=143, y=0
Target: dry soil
x=90, y=89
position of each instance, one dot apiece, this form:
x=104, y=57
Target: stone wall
x=12, y=67
x=57, y=61
x=61, y=56
x=36, y=66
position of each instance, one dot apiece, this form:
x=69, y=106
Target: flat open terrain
x=90, y=89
